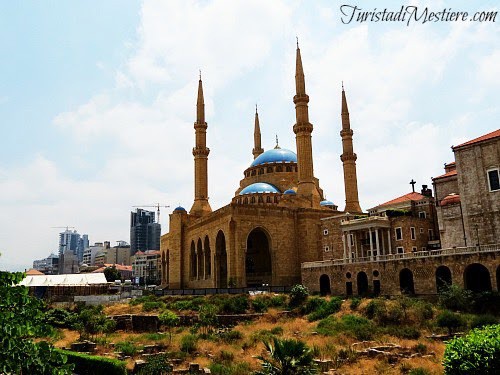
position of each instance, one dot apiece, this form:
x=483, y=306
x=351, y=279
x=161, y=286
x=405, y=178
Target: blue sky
x=97, y=101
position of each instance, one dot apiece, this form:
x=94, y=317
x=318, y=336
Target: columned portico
x=367, y=237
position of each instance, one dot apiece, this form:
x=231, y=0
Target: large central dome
x=276, y=155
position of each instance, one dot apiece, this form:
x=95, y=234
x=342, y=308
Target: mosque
x=273, y=223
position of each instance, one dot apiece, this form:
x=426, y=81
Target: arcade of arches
x=425, y=276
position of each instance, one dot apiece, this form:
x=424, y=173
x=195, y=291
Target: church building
x=273, y=223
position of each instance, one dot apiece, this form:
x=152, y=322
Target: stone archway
x=477, y=278
x=220, y=260
x=258, y=262
x=208, y=258
x=199, y=260
x=192, y=261
x=443, y=278
x=324, y=285
x=406, y=281
x=362, y=283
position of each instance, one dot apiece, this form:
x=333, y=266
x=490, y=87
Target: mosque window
x=252, y=200
x=279, y=168
x=268, y=199
x=288, y=169
x=253, y=172
x=261, y=170
x=269, y=170
x=494, y=179
x=399, y=234
x=275, y=199
x=245, y=201
x=261, y=200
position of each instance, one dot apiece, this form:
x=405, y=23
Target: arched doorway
x=477, y=278
x=258, y=264
x=406, y=281
x=208, y=259
x=192, y=261
x=221, y=260
x=498, y=279
x=199, y=259
x=443, y=278
x=324, y=285
x=362, y=282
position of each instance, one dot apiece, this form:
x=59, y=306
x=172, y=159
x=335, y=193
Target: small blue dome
x=275, y=155
x=179, y=209
x=259, y=187
x=326, y=203
x=290, y=192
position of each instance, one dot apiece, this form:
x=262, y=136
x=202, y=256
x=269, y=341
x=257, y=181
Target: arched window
x=268, y=199
x=279, y=168
x=269, y=170
x=477, y=278
x=253, y=172
x=208, y=259
x=245, y=201
x=406, y=281
x=275, y=199
x=200, y=259
x=288, y=169
x=193, y=267
x=261, y=200
x=261, y=170
x=252, y=200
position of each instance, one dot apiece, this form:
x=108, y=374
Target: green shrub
x=355, y=303
x=328, y=308
x=403, y=332
x=279, y=300
x=476, y=353
x=420, y=348
x=126, y=347
x=483, y=320
x=156, y=364
x=188, y=343
x=152, y=305
x=240, y=368
x=450, y=320
x=277, y=330
x=60, y=318
x=231, y=336
x=298, y=295
x=260, y=305
x=354, y=326
x=139, y=300
x=95, y=365
x=455, y=298
x=419, y=371
x=313, y=304
x=374, y=307
x=225, y=356
x=422, y=311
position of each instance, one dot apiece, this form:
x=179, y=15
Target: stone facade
x=468, y=194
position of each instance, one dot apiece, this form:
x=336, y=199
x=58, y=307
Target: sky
x=97, y=103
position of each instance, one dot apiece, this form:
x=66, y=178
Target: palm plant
x=287, y=357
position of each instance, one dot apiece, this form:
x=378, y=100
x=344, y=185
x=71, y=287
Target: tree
x=21, y=320
x=169, y=319
x=112, y=274
x=208, y=318
x=92, y=321
x=450, y=320
x=287, y=357
x=157, y=364
x=298, y=295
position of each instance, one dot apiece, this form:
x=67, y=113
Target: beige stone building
x=468, y=194
x=146, y=265
x=273, y=222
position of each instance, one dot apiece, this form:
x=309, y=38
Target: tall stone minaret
x=303, y=129
x=348, y=158
x=200, y=153
x=257, y=150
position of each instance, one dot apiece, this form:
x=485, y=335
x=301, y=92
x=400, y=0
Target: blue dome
x=290, y=192
x=259, y=187
x=326, y=203
x=275, y=155
x=179, y=209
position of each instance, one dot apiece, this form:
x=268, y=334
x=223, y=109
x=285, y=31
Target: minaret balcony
x=201, y=151
x=303, y=127
x=346, y=132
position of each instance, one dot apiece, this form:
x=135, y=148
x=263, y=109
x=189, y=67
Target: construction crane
x=157, y=206
x=67, y=227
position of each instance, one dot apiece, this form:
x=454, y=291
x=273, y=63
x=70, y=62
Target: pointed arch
x=192, y=261
x=220, y=260
x=199, y=260
x=258, y=260
x=477, y=278
x=406, y=281
x=208, y=258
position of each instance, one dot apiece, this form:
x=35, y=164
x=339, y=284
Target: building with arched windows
x=272, y=224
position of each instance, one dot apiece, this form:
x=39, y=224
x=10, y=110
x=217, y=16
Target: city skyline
x=98, y=106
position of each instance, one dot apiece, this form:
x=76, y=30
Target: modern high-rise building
x=144, y=231
x=72, y=241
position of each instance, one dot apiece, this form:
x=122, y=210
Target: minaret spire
x=348, y=158
x=200, y=152
x=303, y=129
x=257, y=149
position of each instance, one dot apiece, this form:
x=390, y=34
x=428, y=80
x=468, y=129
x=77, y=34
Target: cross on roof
x=412, y=183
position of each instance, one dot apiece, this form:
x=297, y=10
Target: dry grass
x=122, y=308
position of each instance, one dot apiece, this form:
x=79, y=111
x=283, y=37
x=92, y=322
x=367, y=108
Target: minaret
x=303, y=129
x=200, y=153
x=348, y=158
x=257, y=150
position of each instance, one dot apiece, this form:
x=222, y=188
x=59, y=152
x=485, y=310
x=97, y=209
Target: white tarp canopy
x=81, y=279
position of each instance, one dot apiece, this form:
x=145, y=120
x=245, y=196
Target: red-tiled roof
x=447, y=174
x=450, y=199
x=493, y=134
x=404, y=198
x=33, y=272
